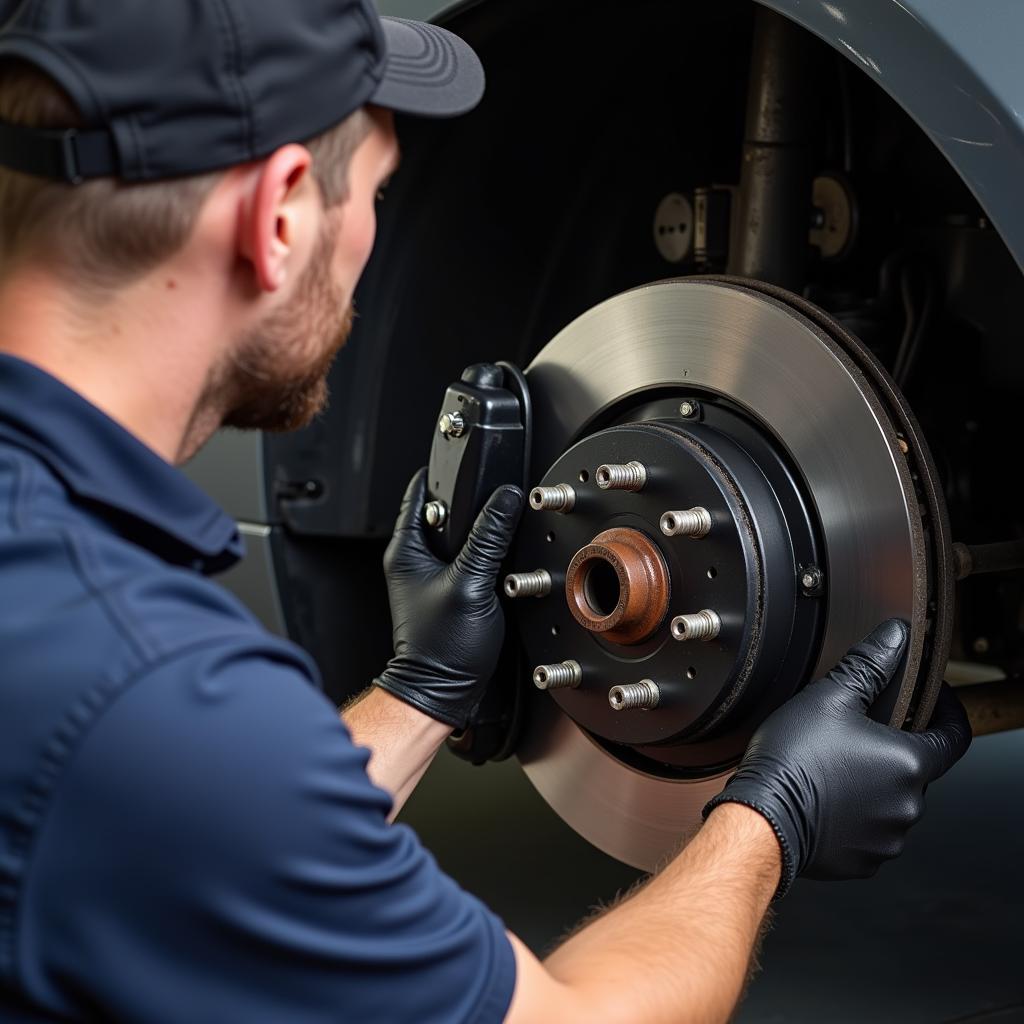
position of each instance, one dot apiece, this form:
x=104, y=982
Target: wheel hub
x=710, y=619
x=618, y=586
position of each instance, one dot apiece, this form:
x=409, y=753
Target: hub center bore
x=618, y=586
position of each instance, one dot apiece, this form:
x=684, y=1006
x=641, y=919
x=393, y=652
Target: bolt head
x=810, y=579
x=688, y=409
x=452, y=424
x=436, y=514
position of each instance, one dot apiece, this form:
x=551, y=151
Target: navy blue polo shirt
x=187, y=832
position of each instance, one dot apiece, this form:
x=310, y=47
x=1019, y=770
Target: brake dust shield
x=803, y=451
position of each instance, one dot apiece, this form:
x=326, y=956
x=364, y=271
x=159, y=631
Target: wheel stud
x=528, y=584
x=705, y=625
x=558, y=677
x=693, y=522
x=560, y=498
x=643, y=695
x=629, y=477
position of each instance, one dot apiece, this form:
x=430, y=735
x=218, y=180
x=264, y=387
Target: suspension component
x=528, y=584
x=643, y=695
x=705, y=625
x=630, y=477
x=558, y=677
x=694, y=522
x=559, y=498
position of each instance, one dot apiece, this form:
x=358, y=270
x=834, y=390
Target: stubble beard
x=276, y=378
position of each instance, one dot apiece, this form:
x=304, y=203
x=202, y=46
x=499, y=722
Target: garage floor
x=937, y=936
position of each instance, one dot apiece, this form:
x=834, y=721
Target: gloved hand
x=447, y=624
x=839, y=789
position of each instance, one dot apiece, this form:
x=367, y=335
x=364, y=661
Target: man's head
x=305, y=230
x=192, y=181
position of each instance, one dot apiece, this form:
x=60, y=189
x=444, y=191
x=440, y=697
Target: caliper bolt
x=693, y=522
x=689, y=409
x=811, y=579
x=630, y=477
x=705, y=625
x=452, y=424
x=644, y=695
x=560, y=498
x=558, y=677
x=528, y=584
x=436, y=514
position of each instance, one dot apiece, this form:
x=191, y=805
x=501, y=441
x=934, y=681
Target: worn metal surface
x=770, y=221
x=641, y=601
x=777, y=365
x=973, y=559
x=996, y=706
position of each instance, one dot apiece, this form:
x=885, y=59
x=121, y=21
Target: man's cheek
x=364, y=234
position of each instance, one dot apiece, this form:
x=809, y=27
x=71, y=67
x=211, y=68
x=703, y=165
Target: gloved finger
x=488, y=542
x=870, y=665
x=409, y=535
x=947, y=737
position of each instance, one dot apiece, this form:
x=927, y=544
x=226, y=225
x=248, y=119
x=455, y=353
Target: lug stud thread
x=693, y=522
x=705, y=625
x=528, y=584
x=643, y=695
x=630, y=477
x=558, y=677
x=560, y=498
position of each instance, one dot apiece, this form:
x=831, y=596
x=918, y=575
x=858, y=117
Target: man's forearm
x=402, y=740
x=678, y=950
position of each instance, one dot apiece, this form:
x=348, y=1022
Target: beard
x=276, y=378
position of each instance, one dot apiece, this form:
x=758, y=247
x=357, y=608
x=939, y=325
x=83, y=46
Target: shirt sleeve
x=217, y=853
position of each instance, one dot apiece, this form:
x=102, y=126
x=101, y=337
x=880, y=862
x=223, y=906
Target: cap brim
x=429, y=71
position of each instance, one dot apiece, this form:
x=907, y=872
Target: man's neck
x=142, y=357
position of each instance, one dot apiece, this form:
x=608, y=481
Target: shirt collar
x=146, y=498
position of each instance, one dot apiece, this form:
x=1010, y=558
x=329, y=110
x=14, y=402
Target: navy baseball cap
x=177, y=87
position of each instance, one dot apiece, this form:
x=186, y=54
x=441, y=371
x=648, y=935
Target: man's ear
x=274, y=216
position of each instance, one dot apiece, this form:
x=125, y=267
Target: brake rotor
x=814, y=514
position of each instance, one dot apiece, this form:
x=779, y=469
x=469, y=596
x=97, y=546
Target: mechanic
x=189, y=832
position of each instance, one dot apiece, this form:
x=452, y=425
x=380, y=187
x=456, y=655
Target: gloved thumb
x=870, y=665
x=489, y=540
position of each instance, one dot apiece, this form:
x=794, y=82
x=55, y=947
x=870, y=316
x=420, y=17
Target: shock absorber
x=772, y=213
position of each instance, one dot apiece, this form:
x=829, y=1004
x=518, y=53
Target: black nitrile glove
x=839, y=789
x=447, y=623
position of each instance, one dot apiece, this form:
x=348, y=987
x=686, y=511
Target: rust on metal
x=618, y=586
x=993, y=707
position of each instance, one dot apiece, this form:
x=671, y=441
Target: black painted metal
x=713, y=693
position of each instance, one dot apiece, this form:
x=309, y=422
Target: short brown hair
x=106, y=233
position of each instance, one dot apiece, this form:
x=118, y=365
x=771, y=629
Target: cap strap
x=67, y=155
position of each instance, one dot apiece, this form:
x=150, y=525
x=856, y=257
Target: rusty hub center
x=618, y=586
